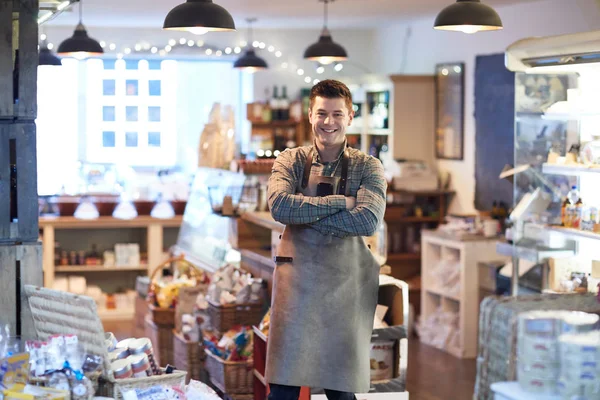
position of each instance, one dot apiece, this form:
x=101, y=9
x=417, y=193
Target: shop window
x=154, y=88
x=153, y=139
x=154, y=114
x=108, y=87
x=131, y=110
x=108, y=113
x=131, y=113
x=131, y=139
x=108, y=139
x=131, y=87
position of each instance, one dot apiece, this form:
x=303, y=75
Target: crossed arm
x=334, y=214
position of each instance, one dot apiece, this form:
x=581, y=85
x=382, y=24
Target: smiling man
x=325, y=282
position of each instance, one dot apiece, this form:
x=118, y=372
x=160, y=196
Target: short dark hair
x=331, y=89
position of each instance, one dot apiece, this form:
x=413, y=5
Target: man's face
x=329, y=119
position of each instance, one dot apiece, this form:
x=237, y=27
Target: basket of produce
x=129, y=364
x=234, y=298
x=167, y=281
x=229, y=361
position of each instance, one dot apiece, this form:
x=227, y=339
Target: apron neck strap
x=343, y=179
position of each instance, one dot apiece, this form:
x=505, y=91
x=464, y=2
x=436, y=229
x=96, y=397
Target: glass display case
x=555, y=227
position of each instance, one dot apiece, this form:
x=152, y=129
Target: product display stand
x=464, y=302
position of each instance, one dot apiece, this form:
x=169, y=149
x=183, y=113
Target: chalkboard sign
x=207, y=239
x=449, y=110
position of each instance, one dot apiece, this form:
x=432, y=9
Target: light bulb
x=228, y=50
x=326, y=60
x=50, y=46
x=320, y=69
x=300, y=71
x=316, y=81
x=338, y=67
x=172, y=42
x=191, y=43
x=271, y=49
x=469, y=29
x=208, y=52
x=198, y=30
x=182, y=41
x=307, y=79
x=112, y=46
x=278, y=54
x=103, y=44
x=237, y=50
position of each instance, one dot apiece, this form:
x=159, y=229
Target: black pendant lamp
x=325, y=50
x=199, y=17
x=46, y=57
x=80, y=45
x=250, y=62
x=468, y=16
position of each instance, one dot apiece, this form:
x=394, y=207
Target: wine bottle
x=274, y=104
x=284, y=105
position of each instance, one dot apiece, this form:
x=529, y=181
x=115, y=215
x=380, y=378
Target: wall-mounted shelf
x=569, y=170
x=531, y=253
x=97, y=268
x=574, y=233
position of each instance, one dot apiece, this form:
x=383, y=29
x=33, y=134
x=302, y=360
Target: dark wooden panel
x=27, y=182
x=26, y=229
x=4, y=182
x=28, y=59
x=30, y=257
x=494, y=127
x=8, y=286
x=6, y=59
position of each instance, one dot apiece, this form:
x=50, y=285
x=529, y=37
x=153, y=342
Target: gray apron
x=324, y=298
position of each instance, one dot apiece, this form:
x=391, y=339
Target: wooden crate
x=18, y=182
x=18, y=35
x=19, y=265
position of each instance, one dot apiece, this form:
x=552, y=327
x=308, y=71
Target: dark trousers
x=282, y=392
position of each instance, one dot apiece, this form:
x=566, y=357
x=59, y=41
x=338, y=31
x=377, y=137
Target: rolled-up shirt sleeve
x=366, y=216
x=290, y=208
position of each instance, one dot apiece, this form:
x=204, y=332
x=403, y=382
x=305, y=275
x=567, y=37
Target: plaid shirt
x=328, y=215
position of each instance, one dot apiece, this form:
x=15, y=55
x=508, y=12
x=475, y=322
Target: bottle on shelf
x=93, y=257
x=563, y=212
x=266, y=111
x=284, y=105
x=274, y=104
x=573, y=211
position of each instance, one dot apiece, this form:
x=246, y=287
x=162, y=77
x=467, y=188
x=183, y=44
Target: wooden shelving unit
x=469, y=253
x=152, y=228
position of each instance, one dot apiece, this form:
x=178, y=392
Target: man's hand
x=350, y=202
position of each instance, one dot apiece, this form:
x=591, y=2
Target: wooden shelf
x=423, y=192
x=97, y=268
x=264, y=219
x=275, y=124
x=574, y=233
x=442, y=293
x=403, y=257
x=569, y=170
x=109, y=222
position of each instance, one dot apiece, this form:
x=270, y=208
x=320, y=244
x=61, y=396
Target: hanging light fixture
x=199, y=17
x=46, y=57
x=80, y=45
x=468, y=16
x=325, y=50
x=250, y=62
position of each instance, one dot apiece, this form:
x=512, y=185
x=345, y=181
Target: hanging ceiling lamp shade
x=80, y=45
x=325, y=50
x=250, y=62
x=199, y=17
x=46, y=57
x=468, y=16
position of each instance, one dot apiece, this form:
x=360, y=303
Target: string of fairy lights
x=208, y=50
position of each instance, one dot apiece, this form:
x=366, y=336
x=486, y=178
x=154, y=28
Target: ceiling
x=270, y=13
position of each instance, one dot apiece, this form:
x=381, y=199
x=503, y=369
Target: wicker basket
x=189, y=356
x=224, y=317
x=56, y=312
x=166, y=316
x=162, y=341
x=231, y=377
